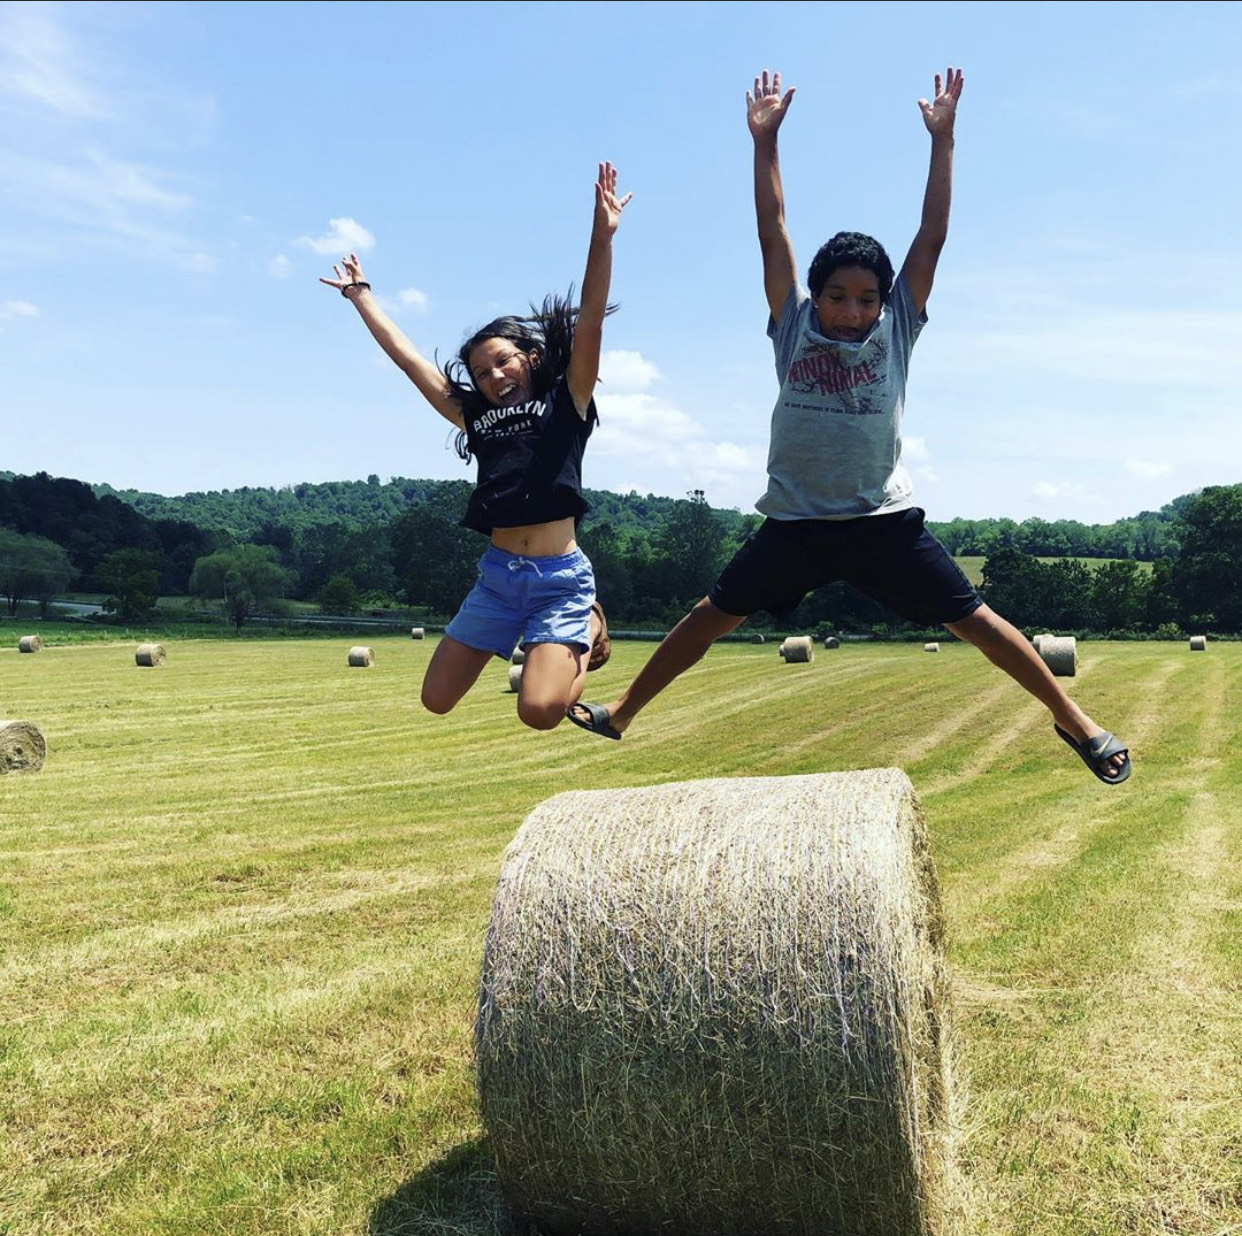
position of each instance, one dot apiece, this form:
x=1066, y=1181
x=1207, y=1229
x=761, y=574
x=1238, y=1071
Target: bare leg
x=552, y=678
x=1008, y=649
x=453, y=670
x=681, y=648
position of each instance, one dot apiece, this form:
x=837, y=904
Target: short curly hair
x=851, y=249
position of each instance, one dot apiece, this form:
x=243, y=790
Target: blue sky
x=174, y=177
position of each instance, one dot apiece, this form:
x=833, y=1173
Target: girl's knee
x=437, y=702
x=541, y=714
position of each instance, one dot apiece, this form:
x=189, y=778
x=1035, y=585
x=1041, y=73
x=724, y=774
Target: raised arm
x=352, y=284
x=919, y=268
x=583, y=371
x=765, y=109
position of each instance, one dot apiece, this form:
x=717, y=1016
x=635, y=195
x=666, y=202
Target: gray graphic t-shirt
x=836, y=427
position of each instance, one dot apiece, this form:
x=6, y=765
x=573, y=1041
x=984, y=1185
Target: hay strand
x=29, y=643
x=22, y=747
x=720, y=1007
x=1060, y=654
x=515, y=677
x=150, y=655
x=418, y=633
x=1198, y=643
x=361, y=657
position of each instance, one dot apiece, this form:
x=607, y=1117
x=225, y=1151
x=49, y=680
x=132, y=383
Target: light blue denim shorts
x=527, y=601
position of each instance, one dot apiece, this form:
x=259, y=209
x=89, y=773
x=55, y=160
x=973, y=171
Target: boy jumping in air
x=839, y=503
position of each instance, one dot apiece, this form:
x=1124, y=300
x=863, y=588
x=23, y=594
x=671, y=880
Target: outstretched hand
x=766, y=108
x=608, y=206
x=348, y=272
x=939, y=114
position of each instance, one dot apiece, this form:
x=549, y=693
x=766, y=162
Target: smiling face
x=849, y=305
x=502, y=372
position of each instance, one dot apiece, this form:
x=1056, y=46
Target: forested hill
x=249, y=513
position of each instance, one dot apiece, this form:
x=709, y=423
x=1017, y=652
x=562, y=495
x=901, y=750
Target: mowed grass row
x=242, y=909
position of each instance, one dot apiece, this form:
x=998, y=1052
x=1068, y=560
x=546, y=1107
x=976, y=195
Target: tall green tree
x=32, y=568
x=243, y=581
x=1208, y=575
x=132, y=577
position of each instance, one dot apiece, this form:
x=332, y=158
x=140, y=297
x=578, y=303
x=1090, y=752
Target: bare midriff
x=537, y=540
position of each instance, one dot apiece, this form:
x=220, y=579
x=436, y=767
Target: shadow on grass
x=455, y=1196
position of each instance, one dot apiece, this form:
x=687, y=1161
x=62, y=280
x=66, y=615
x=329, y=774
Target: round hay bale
x=720, y=1007
x=1060, y=654
x=418, y=633
x=757, y=638
x=1198, y=643
x=515, y=677
x=22, y=747
x=931, y=647
x=150, y=655
x=519, y=655
x=1038, y=640
x=831, y=641
x=798, y=648
x=29, y=643
x=360, y=656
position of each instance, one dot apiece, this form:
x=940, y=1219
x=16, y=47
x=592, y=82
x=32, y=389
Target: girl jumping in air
x=520, y=393
x=839, y=503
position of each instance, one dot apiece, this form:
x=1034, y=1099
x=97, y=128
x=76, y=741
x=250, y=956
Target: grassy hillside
x=242, y=907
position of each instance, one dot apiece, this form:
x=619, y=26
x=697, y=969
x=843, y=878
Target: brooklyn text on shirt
x=493, y=416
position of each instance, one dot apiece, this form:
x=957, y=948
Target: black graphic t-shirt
x=530, y=461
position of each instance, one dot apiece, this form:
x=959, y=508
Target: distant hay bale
x=931, y=647
x=29, y=643
x=22, y=747
x=1038, y=640
x=757, y=638
x=1198, y=643
x=418, y=633
x=361, y=656
x=519, y=655
x=721, y=1007
x=800, y=648
x=831, y=641
x=150, y=655
x=1060, y=654
x=515, y=677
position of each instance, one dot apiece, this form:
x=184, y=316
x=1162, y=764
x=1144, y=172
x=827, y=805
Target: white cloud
x=1061, y=491
x=11, y=309
x=280, y=267
x=1146, y=470
x=626, y=372
x=414, y=299
x=39, y=65
x=344, y=235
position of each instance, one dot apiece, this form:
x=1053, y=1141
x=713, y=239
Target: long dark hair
x=548, y=332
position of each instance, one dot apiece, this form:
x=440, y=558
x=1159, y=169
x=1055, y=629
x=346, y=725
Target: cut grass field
x=242, y=910
x=972, y=565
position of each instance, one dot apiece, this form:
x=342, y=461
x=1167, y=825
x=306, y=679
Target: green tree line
x=355, y=544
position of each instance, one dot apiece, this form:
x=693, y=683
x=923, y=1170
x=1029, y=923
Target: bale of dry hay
x=831, y=641
x=361, y=656
x=1038, y=640
x=798, y=648
x=29, y=643
x=721, y=1007
x=519, y=655
x=931, y=647
x=1060, y=654
x=417, y=633
x=1198, y=643
x=22, y=747
x=515, y=677
x=757, y=638
x=150, y=654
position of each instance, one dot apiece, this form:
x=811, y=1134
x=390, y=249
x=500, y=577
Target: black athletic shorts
x=892, y=558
